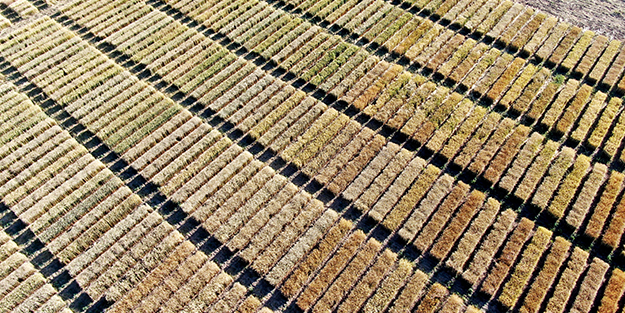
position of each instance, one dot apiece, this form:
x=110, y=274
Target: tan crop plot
x=259, y=156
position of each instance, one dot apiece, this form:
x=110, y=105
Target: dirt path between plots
x=606, y=17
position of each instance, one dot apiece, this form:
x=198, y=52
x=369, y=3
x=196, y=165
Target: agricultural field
x=308, y=156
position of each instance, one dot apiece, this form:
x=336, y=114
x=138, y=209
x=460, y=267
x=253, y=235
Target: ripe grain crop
x=526, y=266
x=562, y=49
x=432, y=299
x=589, y=286
x=552, y=179
x=536, y=170
x=605, y=204
x=573, y=110
x=507, y=258
x=331, y=269
x=500, y=13
x=312, y=261
x=547, y=275
x=592, y=55
x=616, y=69
x=576, y=53
x=586, y=197
x=304, y=245
x=534, y=31
x=368, y=283
x=567, y=189
x=286, y=238
x=417, y=219
x=517, y=88
x=475, y=13
x=568, y=280
x=275, y=226
x=472, y=235
x=589, y=117
x=395, y=168
x=613, y=292
x=457, y=225
x=411, y=293
x=491, y=146
x=490, y=245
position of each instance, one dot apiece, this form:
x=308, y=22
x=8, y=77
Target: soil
x=606, y=17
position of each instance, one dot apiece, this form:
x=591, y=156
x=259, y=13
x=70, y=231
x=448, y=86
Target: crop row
x=273, y=19
x=488, y=153
x=24, y=289
x=515, y=25
x=23, y=8
x=518, y=87
x=387, y=87
x=96, y=226
x=229, y=165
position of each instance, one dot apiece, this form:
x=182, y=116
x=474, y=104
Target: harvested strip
x=546, y=277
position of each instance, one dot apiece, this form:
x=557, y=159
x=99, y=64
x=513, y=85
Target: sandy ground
x=605, y=17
